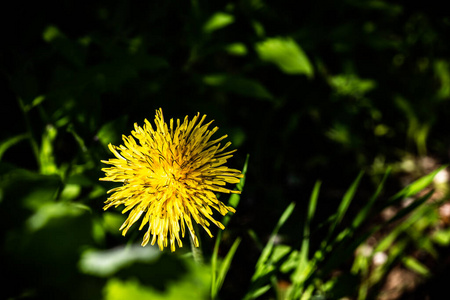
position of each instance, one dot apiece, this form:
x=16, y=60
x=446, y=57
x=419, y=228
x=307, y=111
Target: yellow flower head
x=170, y=176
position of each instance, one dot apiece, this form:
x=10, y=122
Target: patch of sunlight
x=441, y=177
x=104, y=263
x=286, y=54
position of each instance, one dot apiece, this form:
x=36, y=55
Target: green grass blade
x=416, y=266
x=304, y=251
x=225, y=266
x=415, y=187
x=362, y=215
x=337, y=218
x=233, y=201
x=8, y=143
x=347, y=199
x=269, y=246
x=260, y=291
x=264, y=265
x=403, y=212
x=303, y=267
x=345, y=203
x=402, y=227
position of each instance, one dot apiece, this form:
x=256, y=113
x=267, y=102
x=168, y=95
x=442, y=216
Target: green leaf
x=364, y=212
x=233, y=201
x=193, y=285
x=225, y=266
x=269, y=246
x=351, y=85
x=416, y=186
x=111, y=132
x=345, y=203
x=416, y=266
x=218, y=21
x=28, y=189
x=265, y=264
x=442, y=237
x=104, y=263
x=46, y=156
x=260, y=291
x=303, y=266
x=46, y=212
x=238, y=49
x=410, y=208
x=286, y=54
x=8, y=143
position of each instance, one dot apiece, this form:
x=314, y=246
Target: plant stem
x=196, y=251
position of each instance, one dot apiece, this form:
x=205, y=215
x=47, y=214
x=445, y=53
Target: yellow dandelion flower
x=170, y=176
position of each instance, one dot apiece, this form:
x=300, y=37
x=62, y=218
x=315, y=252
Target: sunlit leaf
x=217, y=276
x=416, y=186
x=105, y=263
x=226, y=263
x=49, y=211
x=238, y=49
x=46, y=156
x=416, y=266
x=351, y=85
x=286, y=54
x=218, y=21
x=111, y=132
x=193, y=285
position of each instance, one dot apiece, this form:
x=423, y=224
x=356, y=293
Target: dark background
x=78, y=75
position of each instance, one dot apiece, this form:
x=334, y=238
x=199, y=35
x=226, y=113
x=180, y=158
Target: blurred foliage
x=314, y=93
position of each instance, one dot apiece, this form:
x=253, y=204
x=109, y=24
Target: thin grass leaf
x=226, y=266
x=269, y=246
x=392, y=236
x=381, y=271
x=304, y=251
x=326, y=246
x=343, y=252
x=348, y=232
x=235, y=198
x=403, y=212
x=255, y=238
x=364, y=212
x=416, y=266
x=8, y=143
x=260, y=291
x=303, y=267
x=415, y=187
x=346, y=200
x=233, y=201
x=265, y=266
